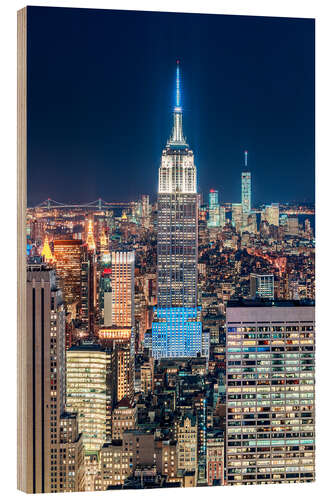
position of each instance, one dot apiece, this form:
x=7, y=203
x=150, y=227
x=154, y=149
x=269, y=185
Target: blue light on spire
x=177, y=86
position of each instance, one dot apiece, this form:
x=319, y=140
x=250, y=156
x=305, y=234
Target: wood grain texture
x=22, y=479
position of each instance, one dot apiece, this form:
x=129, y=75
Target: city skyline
x=169, y=339
x=111, y=103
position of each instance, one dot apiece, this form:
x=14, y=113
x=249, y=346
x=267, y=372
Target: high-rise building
x=89, y=392
x=214, y=209
x=88, y=288
x=177, y=325
x=272, y=214
x=120, y=341
x=262, y=285
x=246, y=187
x=237, y=216
x=270, y=392
x=122, y=284
x=222, y=216
x=292, y=225
x=45, y=390
x=67, y=255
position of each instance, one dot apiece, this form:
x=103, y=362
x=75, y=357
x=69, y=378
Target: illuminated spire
x=177, y=138
x=177, y=86
x=245, y=158
x=46, y=252
x=90, y=236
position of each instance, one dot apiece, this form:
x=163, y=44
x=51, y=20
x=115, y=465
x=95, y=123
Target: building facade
x=68, y=256
x=270, y=434
x=122, y=285
x=89, y=392
x=45, y=391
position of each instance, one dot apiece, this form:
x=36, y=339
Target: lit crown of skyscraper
x=177, y=172
x=46, y=252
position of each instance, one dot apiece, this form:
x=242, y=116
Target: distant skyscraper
x=262, y=285
x=177, y=326
x=270, y=369
x=272, y=214
x=45, y=393
x=222, y=216
x=214, y=209
x=246, y=188
x=237, y=216
x=292, y=225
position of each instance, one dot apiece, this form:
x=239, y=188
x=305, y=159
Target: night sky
x=101, y=88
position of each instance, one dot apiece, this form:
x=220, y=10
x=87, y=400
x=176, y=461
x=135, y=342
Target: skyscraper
x=270, y=392
x=45, y=395
x=214, y=209
x=271, y=214
x=246, y=188
x=89, y=392
x=67, y=255
x=177, y=326
x=122, y=284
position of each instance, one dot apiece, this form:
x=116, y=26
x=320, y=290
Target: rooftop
x=258, y=302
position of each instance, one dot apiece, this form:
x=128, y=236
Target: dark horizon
x=101, y=92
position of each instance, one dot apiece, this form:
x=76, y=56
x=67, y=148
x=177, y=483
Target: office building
x=214, y=209
x=292, y=226
x=262, y=285
x=45, y=390
x=147, y=376
x=122, y=284
x=272, y=214
x=89, y=392
x=67, y=256
x=177, y=325
x=237, y=216
x=222, y=216
x=119, y=341
x=270, y=392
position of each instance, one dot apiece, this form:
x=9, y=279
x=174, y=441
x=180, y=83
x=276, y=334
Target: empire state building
x=177, y=326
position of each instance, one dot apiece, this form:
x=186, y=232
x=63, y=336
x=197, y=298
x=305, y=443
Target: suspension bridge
x=98, y=204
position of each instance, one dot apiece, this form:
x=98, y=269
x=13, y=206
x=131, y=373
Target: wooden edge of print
x=22, y=477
